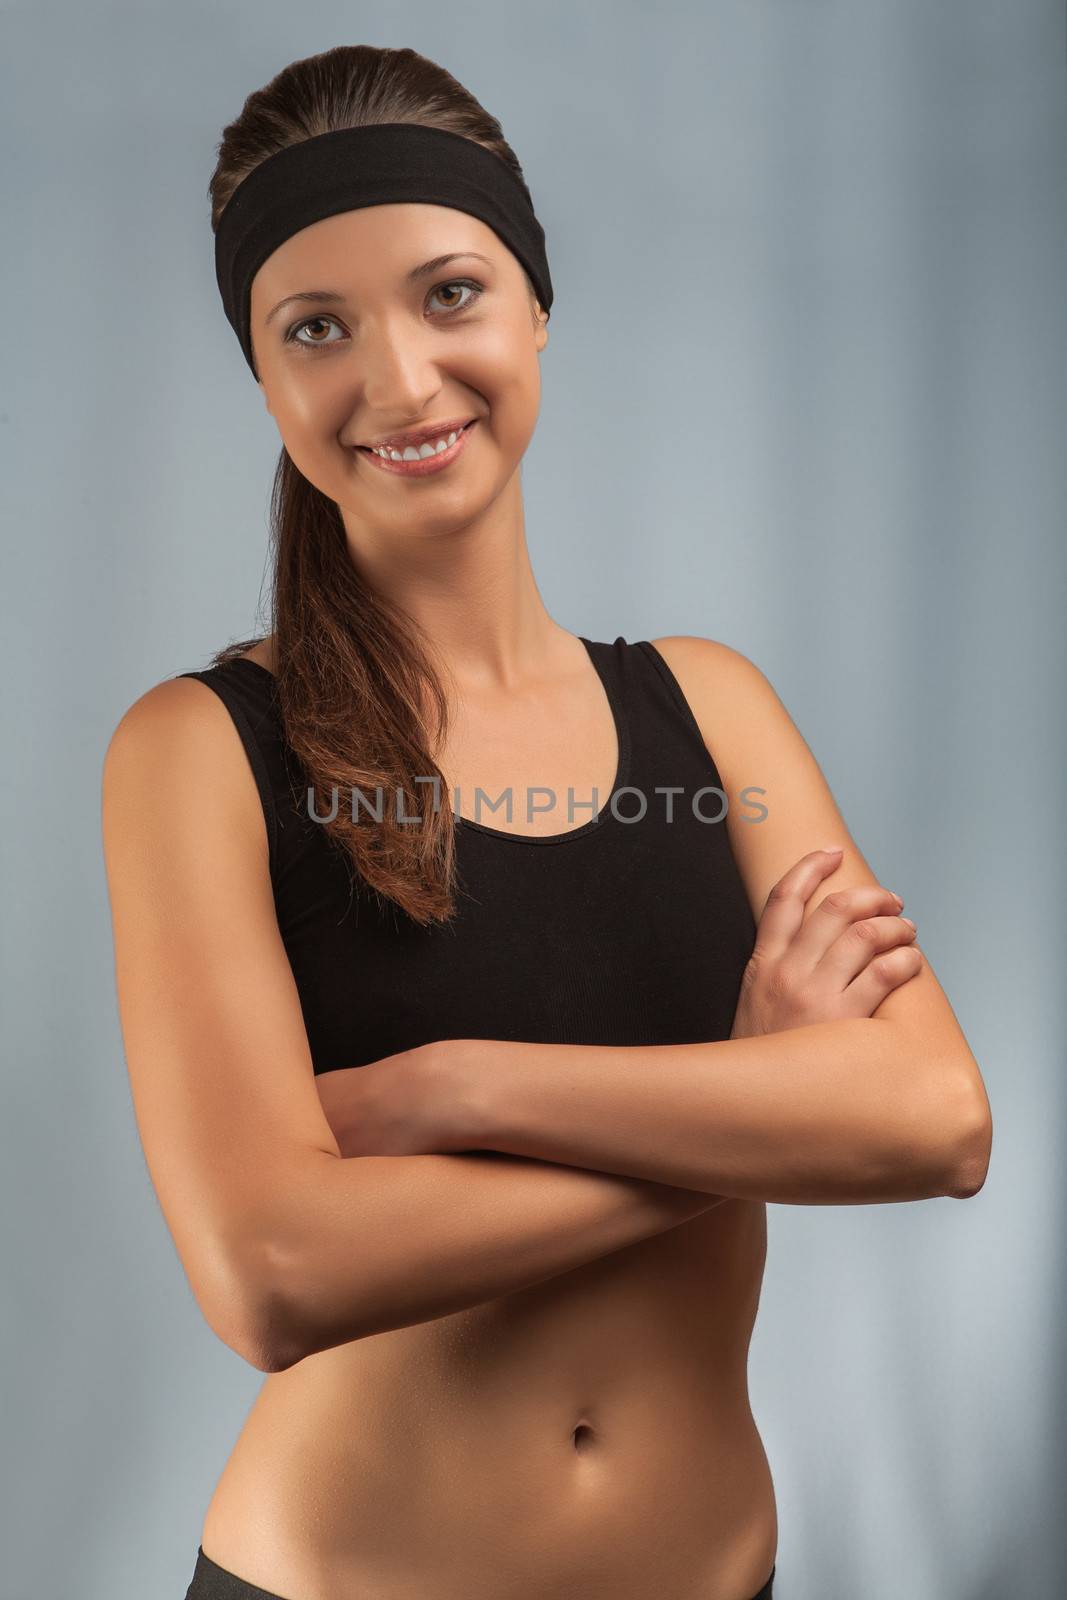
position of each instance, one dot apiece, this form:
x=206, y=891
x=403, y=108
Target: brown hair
x=353, y=673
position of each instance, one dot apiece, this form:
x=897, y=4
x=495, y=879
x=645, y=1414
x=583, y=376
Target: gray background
x=804, y=392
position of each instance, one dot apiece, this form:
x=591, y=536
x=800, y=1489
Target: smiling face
x=385, y=338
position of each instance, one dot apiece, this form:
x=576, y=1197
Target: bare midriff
x=589, y=1436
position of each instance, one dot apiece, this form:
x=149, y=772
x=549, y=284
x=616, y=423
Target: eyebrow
x=413, y=276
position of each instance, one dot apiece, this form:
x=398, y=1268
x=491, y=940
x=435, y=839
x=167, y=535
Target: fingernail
x=908, y=921
x=896, y=897
x=832, y=850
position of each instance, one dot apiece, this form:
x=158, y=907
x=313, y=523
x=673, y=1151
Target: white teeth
x=424, y=450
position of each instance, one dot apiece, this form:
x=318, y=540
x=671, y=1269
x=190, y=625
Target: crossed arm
x=512, y=1155
x=860, y=1109
x=292, y=1250
x=835, y=1113
x=885, y=1106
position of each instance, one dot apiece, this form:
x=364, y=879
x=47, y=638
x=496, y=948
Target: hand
x=842, y=962
x=399, y=1105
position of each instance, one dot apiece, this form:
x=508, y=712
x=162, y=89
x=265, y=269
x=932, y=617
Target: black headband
x=369, y=166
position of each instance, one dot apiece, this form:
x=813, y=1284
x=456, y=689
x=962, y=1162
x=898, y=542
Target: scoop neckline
x=606, y=814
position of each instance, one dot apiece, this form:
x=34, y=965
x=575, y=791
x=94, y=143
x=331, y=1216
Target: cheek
x=504, y=364
x=309, y=409
x=517, y=399
x=502, y=351
x=309, y=423
x=312, y=444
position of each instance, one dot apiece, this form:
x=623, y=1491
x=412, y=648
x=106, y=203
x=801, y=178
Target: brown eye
x=474, y=292
x=459, y=283
x=311, y=322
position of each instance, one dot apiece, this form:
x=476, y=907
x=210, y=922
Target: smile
x=422, y=466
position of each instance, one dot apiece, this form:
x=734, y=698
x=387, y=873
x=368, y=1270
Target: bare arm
x=288, y=1248
x=847, y=1082
x=805, y=1105
x=835, y=1113
x=361, y=1246
x=816, y=1099
x=881, y=1101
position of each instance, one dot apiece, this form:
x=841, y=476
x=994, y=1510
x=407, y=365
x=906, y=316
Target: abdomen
x=589, y=1435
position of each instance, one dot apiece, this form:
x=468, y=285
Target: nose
x=399, y=379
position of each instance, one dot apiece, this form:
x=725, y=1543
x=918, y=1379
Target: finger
x=835, y=915
x=884, y=974
x=783, y=913
x=862, y=942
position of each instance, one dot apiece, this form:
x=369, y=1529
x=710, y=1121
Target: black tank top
x=629, y=929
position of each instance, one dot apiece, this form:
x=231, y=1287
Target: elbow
x=948, y=1120
x=968, y=1161
x=250, y=1344
x=253, y=1315
x=266, y=1347
x=945, y=1139
x=284, y=1284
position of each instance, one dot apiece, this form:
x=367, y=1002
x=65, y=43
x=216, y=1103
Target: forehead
x=371, y=248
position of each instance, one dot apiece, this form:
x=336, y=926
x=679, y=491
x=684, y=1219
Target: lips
x=429, y=435
x=422, y=466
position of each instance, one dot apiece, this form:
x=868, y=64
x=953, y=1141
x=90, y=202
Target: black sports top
x=628, y=929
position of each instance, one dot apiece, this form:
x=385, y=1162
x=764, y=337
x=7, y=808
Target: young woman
x=465, y=1129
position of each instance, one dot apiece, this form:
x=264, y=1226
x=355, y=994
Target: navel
x=583, y=1438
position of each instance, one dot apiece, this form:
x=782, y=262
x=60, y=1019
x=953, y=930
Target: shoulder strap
x=666, y=734
x=673, y=688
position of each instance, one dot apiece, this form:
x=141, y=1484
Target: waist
x=608, y=1498
x=592, y=1430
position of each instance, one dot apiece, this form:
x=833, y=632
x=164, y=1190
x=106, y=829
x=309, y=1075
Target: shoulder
x=741, y=716
x=167, y=723
x=182, y=707
x=732, y=700
x=174, y=746
x=703, y=657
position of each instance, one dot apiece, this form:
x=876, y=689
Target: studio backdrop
x=804, y=394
